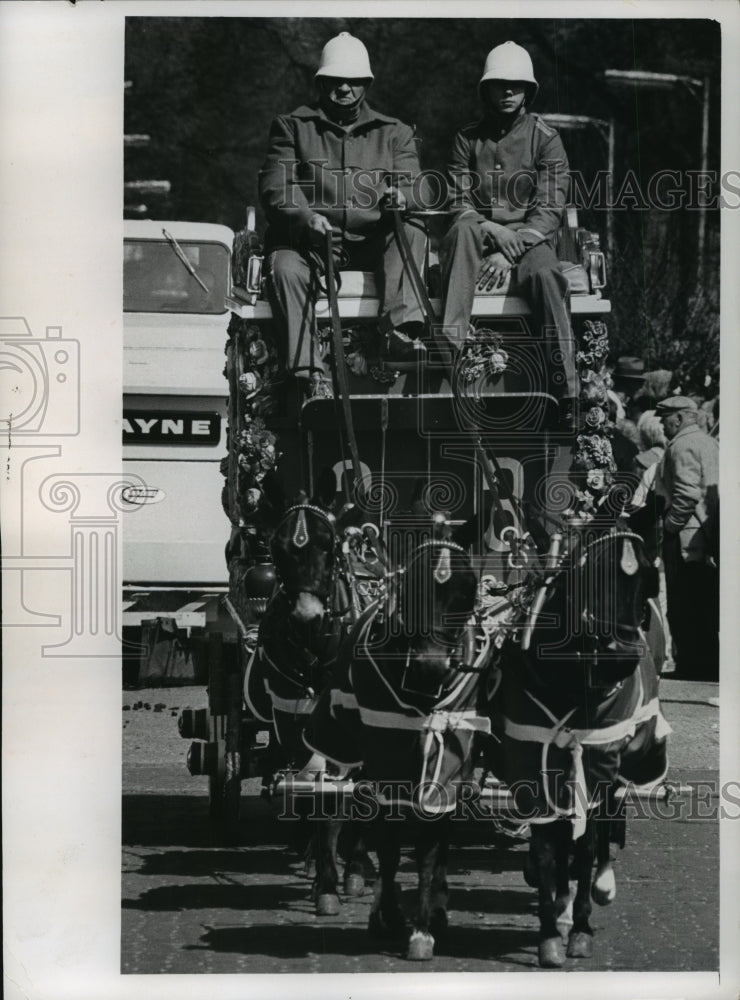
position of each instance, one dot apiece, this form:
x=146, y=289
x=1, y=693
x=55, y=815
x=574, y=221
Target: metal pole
x=701, y=236
x=610, y=196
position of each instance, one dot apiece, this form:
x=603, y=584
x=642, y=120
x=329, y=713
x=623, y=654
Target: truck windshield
x=155, y=279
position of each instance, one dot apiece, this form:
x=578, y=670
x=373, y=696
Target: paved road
x=190, y=906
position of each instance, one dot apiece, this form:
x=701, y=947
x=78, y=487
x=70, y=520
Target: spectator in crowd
x=656, y=385
x=308, y=191
x=623, y=436
x=652, y=441
x=508, y=186
x=647, y=522
x=628, y=380
x=688, y=479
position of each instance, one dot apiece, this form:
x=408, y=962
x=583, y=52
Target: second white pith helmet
x=510, y=61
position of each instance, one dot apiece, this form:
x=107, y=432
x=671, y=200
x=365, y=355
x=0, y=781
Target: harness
x=556, y=568
x=556, y=732
x=339, y=370
x=340, y=573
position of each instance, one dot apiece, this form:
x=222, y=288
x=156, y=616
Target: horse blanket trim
x=416, y=754
x=642, y=722
x=562, y=736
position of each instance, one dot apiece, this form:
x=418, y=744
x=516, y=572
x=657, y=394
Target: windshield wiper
x=182, y=256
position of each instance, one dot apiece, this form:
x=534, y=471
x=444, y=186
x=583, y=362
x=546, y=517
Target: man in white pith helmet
x=336, y=166
x=508, y=187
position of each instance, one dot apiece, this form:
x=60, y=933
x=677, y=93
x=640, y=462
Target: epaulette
x=543, y=126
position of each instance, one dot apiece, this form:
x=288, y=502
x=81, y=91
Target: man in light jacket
x=688, y=480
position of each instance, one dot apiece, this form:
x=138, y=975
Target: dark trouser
x=293, y=292
x=692, y=591
x=540, y=281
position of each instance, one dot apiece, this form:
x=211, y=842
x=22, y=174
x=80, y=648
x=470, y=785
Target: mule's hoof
x=438, y=923
x=604, y=888
x=551, y=953
x=354, y=885
x=421, y=947
x=564, y=920
x=327, y=904
x=580, y=945
x=309, y=869
x=387, y=926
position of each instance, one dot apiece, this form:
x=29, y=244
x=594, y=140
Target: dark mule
x=318, y=558
x=577, y=712
x=404, y=701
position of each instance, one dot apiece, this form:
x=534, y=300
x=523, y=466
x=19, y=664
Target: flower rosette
x=595, y=418
x=593, y=463
x=485, y=355
x=258, y=352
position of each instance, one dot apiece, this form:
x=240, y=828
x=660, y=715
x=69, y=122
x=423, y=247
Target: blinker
x=628, y=562
x=443, y=572
x=300, y=535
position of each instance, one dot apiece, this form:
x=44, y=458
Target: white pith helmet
x=346, y=58
x=510, y=61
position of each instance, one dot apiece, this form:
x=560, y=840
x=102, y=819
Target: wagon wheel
x=224, y=720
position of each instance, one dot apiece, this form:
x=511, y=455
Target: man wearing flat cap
x=688, y=480
x=336, y=166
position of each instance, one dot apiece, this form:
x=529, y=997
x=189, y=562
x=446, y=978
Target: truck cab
x=174, y=402
x=176, y=279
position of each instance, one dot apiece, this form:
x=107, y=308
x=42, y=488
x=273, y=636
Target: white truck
x=176, y=279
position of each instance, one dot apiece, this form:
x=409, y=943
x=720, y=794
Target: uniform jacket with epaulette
x=315, y=165
x=516, y=175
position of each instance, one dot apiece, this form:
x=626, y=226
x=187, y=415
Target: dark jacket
x=516, y=176
x=315, y=165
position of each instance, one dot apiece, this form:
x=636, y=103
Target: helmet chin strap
x=342, y=114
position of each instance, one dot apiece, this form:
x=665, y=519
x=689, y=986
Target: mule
x=404, y=701
x=315, y=554
x=577, y=711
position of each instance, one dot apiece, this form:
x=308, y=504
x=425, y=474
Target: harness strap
x=435, y=722
x=292, y=706
x=565, y=738
x=341, y=387
x=574, y=740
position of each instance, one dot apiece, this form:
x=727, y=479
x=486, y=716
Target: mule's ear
x=326, y=488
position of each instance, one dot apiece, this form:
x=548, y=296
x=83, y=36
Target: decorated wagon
x=404, y=446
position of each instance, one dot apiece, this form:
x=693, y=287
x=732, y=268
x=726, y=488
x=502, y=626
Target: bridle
x=577, y=562
x=340, y=558
x=461, y=659
x=582, y=558
x=301, y=537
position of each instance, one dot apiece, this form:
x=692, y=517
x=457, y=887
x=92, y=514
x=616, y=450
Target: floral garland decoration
x=255, y=444
x=483, y=355
x=593, y=462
